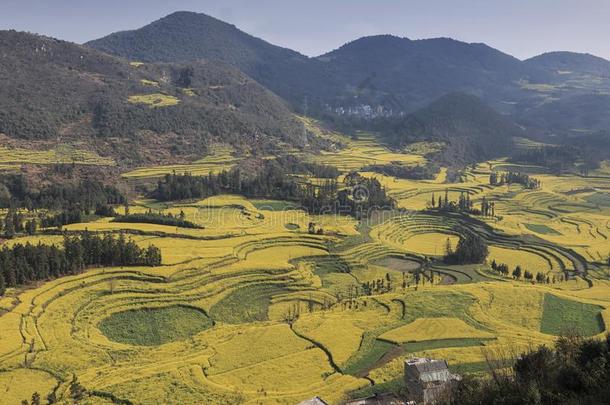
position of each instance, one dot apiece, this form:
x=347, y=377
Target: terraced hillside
x=252, y=307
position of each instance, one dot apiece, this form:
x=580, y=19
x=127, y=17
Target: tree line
x=518, y=272
x=500, y=179
x=555, y=158
x=464, y=205
x=158, y=218
x=21, y=264
x=419, y=172
x=87, y=195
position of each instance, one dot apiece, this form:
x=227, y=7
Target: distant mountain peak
x=565, y=61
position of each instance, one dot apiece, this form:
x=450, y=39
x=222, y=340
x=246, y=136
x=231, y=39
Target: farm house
x=428, y=381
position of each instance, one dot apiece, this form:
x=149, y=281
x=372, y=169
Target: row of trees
x=502, y=178
x=518, y=272
x=419, y=172
x=22, y=264
x=463, y=204
x=158, y=218
x=378, y=286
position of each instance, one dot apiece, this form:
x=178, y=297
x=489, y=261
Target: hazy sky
x=522, y=28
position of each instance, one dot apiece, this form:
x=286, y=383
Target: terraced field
x=13, y=158
x=253, y=309
x=219, y=159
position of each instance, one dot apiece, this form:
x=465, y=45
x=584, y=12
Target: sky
x=522, y=28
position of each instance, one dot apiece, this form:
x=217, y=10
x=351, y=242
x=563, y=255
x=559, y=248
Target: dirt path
x=388, y=356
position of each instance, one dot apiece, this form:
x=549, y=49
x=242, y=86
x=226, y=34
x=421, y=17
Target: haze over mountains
x=206, y=67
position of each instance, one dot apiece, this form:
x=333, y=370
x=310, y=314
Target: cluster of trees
x=14, y=222
x=357, y=196
x=499, y=179
x=64, y=217
x=291, y=164
x=381, y=285
x=419, y=172
x=518, y=272
x=463, y=204
x=488, y=208
x=574, y=371
x=556, y=158
x=86, y=195
x=471, y=249
x=159, y=219
x=313, y=229
x=21, y=264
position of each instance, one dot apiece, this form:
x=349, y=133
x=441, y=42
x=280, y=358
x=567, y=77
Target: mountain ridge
x=429, y=68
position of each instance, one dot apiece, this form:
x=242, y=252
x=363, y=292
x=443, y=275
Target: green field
x=601, y=199
x=565, y=316
x=542, y=229
x=152, y=327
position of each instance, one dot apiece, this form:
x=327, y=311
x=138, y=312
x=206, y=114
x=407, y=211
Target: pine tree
x=448, y=248
x=9, y=226
x=2, y=284
x=30, y=227
x=517, y=273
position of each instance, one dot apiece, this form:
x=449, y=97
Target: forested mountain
x=401, y=74
x=471, y=130
x=186, y=81
x=53, y=89
x=395, y=73
x=187, y=36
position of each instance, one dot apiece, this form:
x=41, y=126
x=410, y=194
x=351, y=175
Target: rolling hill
x=570, y=62
x=471, y=129
x=56, y=91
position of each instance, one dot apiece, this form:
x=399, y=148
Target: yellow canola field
x=263, y=261
x=434, y=329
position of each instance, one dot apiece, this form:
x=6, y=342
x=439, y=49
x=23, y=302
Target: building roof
x=427, y=365
x=379, y=399
x=430, y=370
x=313, y=401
